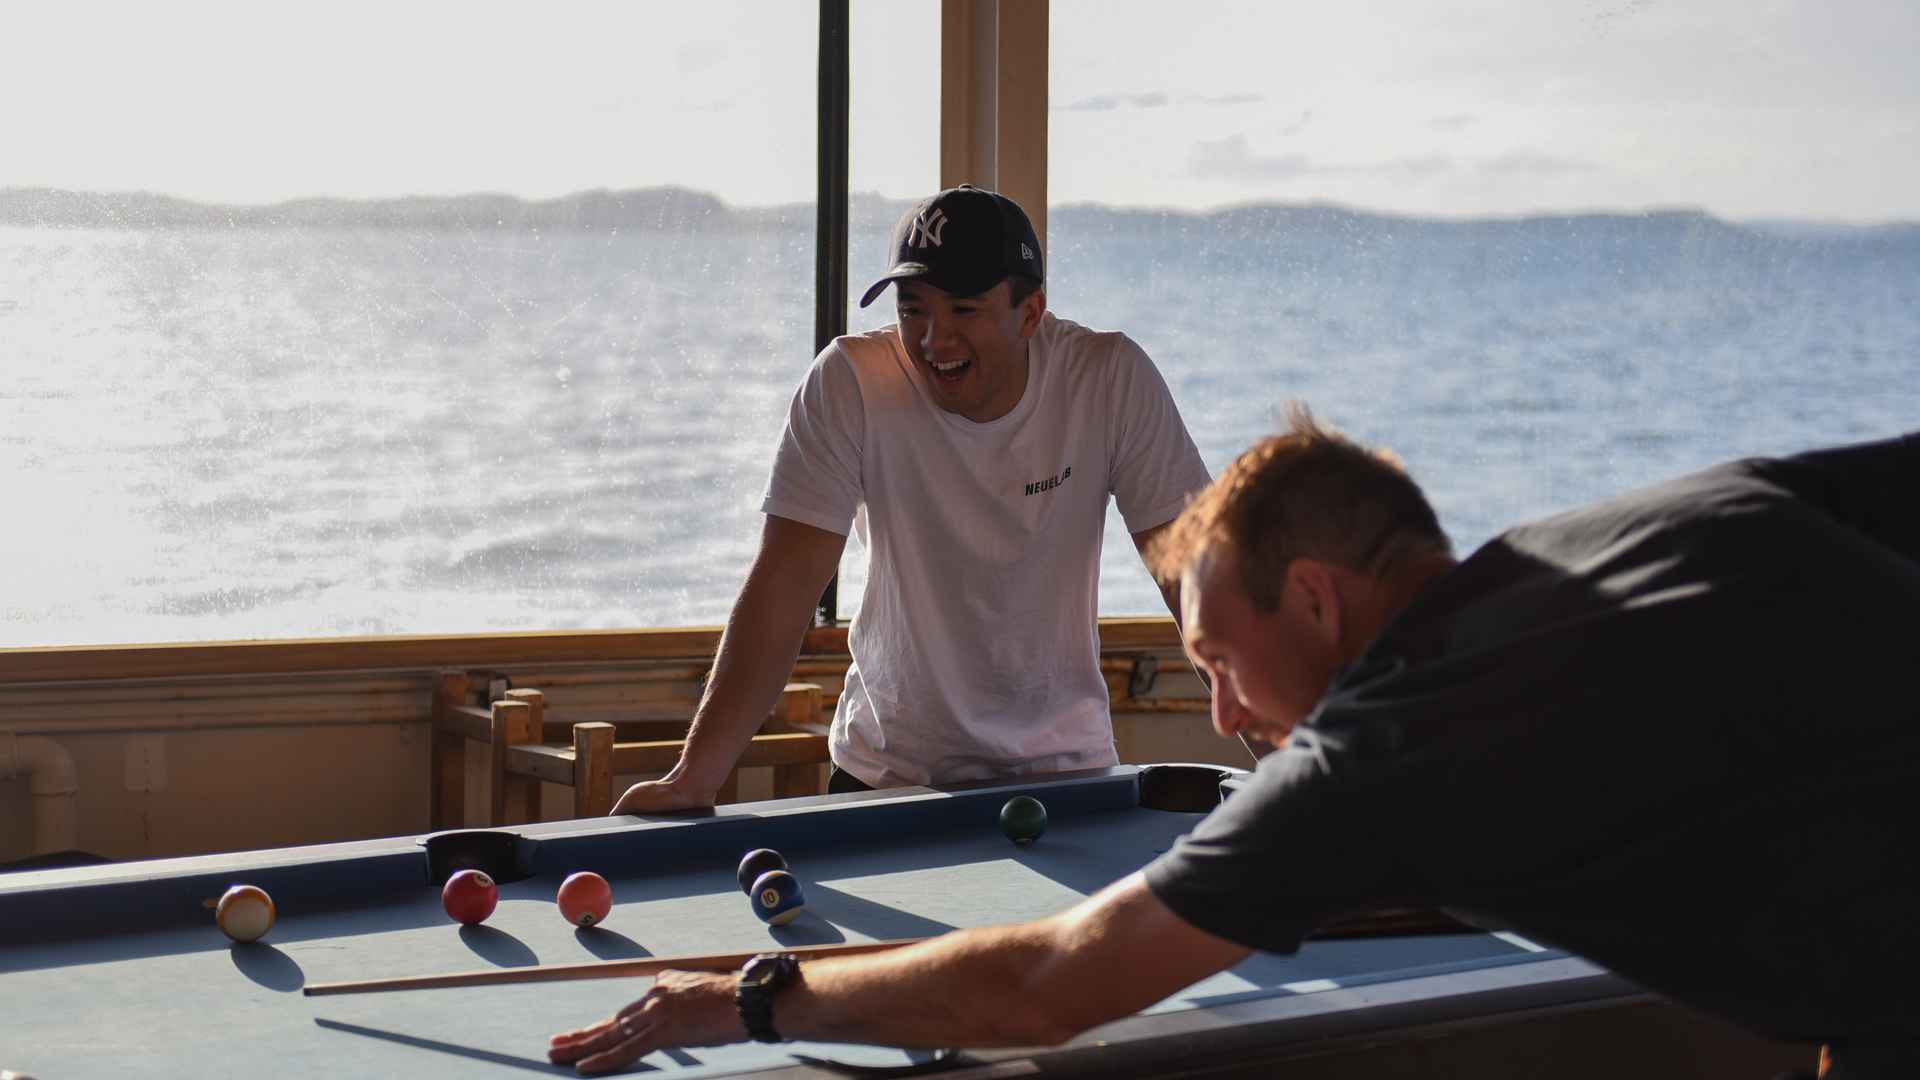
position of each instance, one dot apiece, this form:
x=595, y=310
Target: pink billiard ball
x=585, y=898
x=469, y=896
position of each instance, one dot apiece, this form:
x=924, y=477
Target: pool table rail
x=41, y=905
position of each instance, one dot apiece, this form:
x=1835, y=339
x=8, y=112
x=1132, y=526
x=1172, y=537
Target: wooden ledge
x=90, y=663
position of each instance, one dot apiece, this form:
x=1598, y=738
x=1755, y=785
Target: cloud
x=1602, y=21
x=646, y=104
x=1411, y=167
x=1530, y=163
x=1454, y=121
x=1232, y=159
x=1154, y=100
x=1110, y=102
x=697, y=56
x=1224, y=99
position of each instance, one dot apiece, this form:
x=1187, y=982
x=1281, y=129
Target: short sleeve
x=816, y=470
x=1868, y=487
x=1285, y=854
x=1156, y=467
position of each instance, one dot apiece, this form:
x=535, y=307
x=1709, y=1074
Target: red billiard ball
x=469, y=896
x=585, y=898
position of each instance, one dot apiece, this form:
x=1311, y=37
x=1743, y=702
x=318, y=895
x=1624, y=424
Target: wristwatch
x=763, y=977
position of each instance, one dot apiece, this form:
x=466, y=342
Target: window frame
x=993, y=117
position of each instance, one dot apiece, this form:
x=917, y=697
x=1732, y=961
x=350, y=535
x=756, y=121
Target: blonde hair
x=1307, y=492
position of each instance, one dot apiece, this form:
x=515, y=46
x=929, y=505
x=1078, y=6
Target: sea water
x=216, y=433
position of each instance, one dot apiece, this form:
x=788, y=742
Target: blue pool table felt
x=185, y=998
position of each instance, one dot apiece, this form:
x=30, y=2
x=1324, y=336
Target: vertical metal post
x=830, y=239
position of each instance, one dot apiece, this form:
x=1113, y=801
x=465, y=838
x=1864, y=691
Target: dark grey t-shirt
x=1677, y=732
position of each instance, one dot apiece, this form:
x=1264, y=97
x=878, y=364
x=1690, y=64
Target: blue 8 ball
x=776, y=897
x=757, y=862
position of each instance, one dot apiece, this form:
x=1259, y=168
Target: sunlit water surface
x=216, y=434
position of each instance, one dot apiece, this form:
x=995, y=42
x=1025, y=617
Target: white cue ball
x=245, y=913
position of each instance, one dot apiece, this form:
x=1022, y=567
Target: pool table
x=119, y=970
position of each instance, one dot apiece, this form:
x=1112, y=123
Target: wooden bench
x=528, y=746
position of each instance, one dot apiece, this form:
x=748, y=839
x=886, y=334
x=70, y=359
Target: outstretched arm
x=757, y=650
x=1031, y=984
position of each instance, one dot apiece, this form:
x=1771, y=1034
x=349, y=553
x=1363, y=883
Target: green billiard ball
x=1023, y=819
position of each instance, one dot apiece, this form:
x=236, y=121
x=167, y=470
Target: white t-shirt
x=976, y=648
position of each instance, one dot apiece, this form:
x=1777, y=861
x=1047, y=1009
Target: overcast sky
x=1748, y=108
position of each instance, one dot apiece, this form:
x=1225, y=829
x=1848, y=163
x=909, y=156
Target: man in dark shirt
x=1675, y=732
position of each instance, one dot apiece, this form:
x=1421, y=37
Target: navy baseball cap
x=964, y=241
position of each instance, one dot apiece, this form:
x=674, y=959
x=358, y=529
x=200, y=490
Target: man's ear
x=1034, y=306
x=1315, y=595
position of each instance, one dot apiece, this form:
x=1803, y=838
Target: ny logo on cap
x=927, y=229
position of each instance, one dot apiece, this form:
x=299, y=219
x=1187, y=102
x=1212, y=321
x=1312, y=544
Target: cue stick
x=1392, y=922
x=1208, y=683
x=596, y=969
x=1248, y=747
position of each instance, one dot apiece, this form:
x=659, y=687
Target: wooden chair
x=515, y=726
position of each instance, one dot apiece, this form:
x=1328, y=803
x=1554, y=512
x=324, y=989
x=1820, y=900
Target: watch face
x=762, y=978
x=770, y=969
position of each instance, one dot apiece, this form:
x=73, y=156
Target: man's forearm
x=757, y=652
x=1032, y=984
x=757, y=649
x=967, y=988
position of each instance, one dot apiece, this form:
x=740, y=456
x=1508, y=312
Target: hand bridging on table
x=683, y=1008
x=661, y=796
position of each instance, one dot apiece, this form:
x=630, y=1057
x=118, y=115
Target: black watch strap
x=763, y=977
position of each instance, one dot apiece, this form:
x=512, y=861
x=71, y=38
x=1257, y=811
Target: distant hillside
x=682, y=209
x=651, y=208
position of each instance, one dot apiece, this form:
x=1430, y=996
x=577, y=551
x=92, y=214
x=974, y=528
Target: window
x=452, y=318
x=1545, y=253
x=894, y=161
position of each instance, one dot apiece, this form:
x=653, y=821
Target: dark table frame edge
x=36, y=905
x=235, y=862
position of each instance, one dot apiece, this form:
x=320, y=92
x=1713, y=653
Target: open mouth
x=951, y=370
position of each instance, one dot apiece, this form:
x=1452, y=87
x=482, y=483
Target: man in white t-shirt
x=972, y=448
